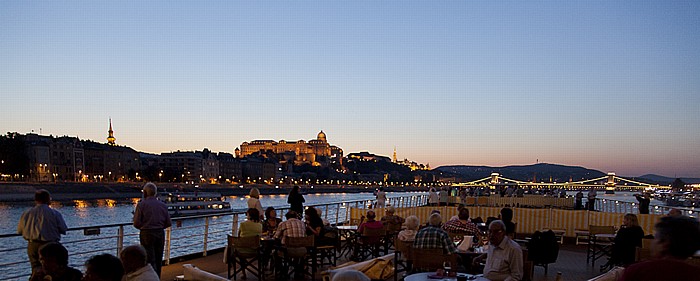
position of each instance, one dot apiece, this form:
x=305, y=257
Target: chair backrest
x=392, y=228
x=300, y=242
x=405, y=248
x=373, y=231
x=601, y=229
x=252, y=242
x=431, y=259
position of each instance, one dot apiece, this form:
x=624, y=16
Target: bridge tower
x=611, y=181
x=494, y=178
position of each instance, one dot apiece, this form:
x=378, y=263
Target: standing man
x=579, y=201
x=591, y=199
x=151, y=218
x=644, y=201
x=40, y=225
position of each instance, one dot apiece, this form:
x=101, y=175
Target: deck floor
x=571, y=262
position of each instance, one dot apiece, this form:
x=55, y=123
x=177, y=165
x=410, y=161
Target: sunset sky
x=609, y=85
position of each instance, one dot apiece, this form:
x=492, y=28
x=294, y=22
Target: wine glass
x=448, y=267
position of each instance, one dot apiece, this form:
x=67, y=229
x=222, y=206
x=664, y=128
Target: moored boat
x=182, y=204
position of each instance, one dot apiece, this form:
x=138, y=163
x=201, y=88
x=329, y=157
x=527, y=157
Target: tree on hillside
x=13, y=156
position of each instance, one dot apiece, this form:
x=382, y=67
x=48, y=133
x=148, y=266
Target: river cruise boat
x=181, y=204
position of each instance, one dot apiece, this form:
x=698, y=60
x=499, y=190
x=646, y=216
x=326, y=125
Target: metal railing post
x=206, y=235
x=167, y=245
x=234, y=227
x=337, y=213
x=120, y=239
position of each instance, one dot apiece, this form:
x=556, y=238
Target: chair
x=244, y=251
x=402, y=257
x=581, y=234
x=296, y=255
x=643, y=253
x=329, y=248
x=599, y=242
x=430, y=259
x=369, y=243
x=543, y=249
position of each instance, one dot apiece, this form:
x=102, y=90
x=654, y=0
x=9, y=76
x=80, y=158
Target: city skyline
x=608, y=85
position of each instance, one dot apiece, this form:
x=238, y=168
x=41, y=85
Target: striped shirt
x=433, y=237
x=290, y=228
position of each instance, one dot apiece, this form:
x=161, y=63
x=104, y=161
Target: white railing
x=617, y=206
x=188, y=237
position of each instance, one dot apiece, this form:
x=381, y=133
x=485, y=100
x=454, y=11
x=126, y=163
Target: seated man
x=292, y=227
x=370, y=223
x=103, y=267
x=54, y=264
x=462, y=224
x=504, y=259
x=433, y=237
x=136, y=267
x=676, y=239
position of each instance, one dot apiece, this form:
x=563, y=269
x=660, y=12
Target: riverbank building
x=316, y=152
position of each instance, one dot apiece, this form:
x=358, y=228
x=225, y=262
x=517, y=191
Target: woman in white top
x=254, y=200
x=381, y=198
x=433, y=198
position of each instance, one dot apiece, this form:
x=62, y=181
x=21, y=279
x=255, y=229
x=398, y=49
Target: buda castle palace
x=316, y=152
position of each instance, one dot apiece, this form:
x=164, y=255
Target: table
x=347, y=234
x=423, y=276
x=601, y=245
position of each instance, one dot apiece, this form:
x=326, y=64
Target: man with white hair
x=504, y=259
x=136, y=267
x=151, y=218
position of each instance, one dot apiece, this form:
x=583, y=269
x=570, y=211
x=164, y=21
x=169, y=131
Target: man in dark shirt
x=152, y=218
x=676, y=239
x=643, y=202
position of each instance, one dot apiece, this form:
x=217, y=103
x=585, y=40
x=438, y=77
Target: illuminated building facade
x=317, y=152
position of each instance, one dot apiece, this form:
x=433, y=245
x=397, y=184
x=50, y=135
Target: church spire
x=110, y=139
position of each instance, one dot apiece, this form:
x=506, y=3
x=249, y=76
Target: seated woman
x=314, y=224
x=506, y=216
x=409, y=234
x=249, y=228
x=627, y=239
x=252, y=226
x=272, y=221
x=392, y=222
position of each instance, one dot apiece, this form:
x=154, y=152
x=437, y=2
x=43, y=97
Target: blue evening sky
x=609, y=85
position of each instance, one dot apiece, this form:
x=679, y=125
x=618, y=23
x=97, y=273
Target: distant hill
x=540, y=172
x=664, y=180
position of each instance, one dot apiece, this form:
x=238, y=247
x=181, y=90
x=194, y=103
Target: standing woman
x=296, y=200
x=381, y=198
x=433, y=198
x=254, y=201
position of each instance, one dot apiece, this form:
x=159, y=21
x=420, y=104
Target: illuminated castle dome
x=321, y=136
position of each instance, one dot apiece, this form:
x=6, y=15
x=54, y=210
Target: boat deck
x=571, y=263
